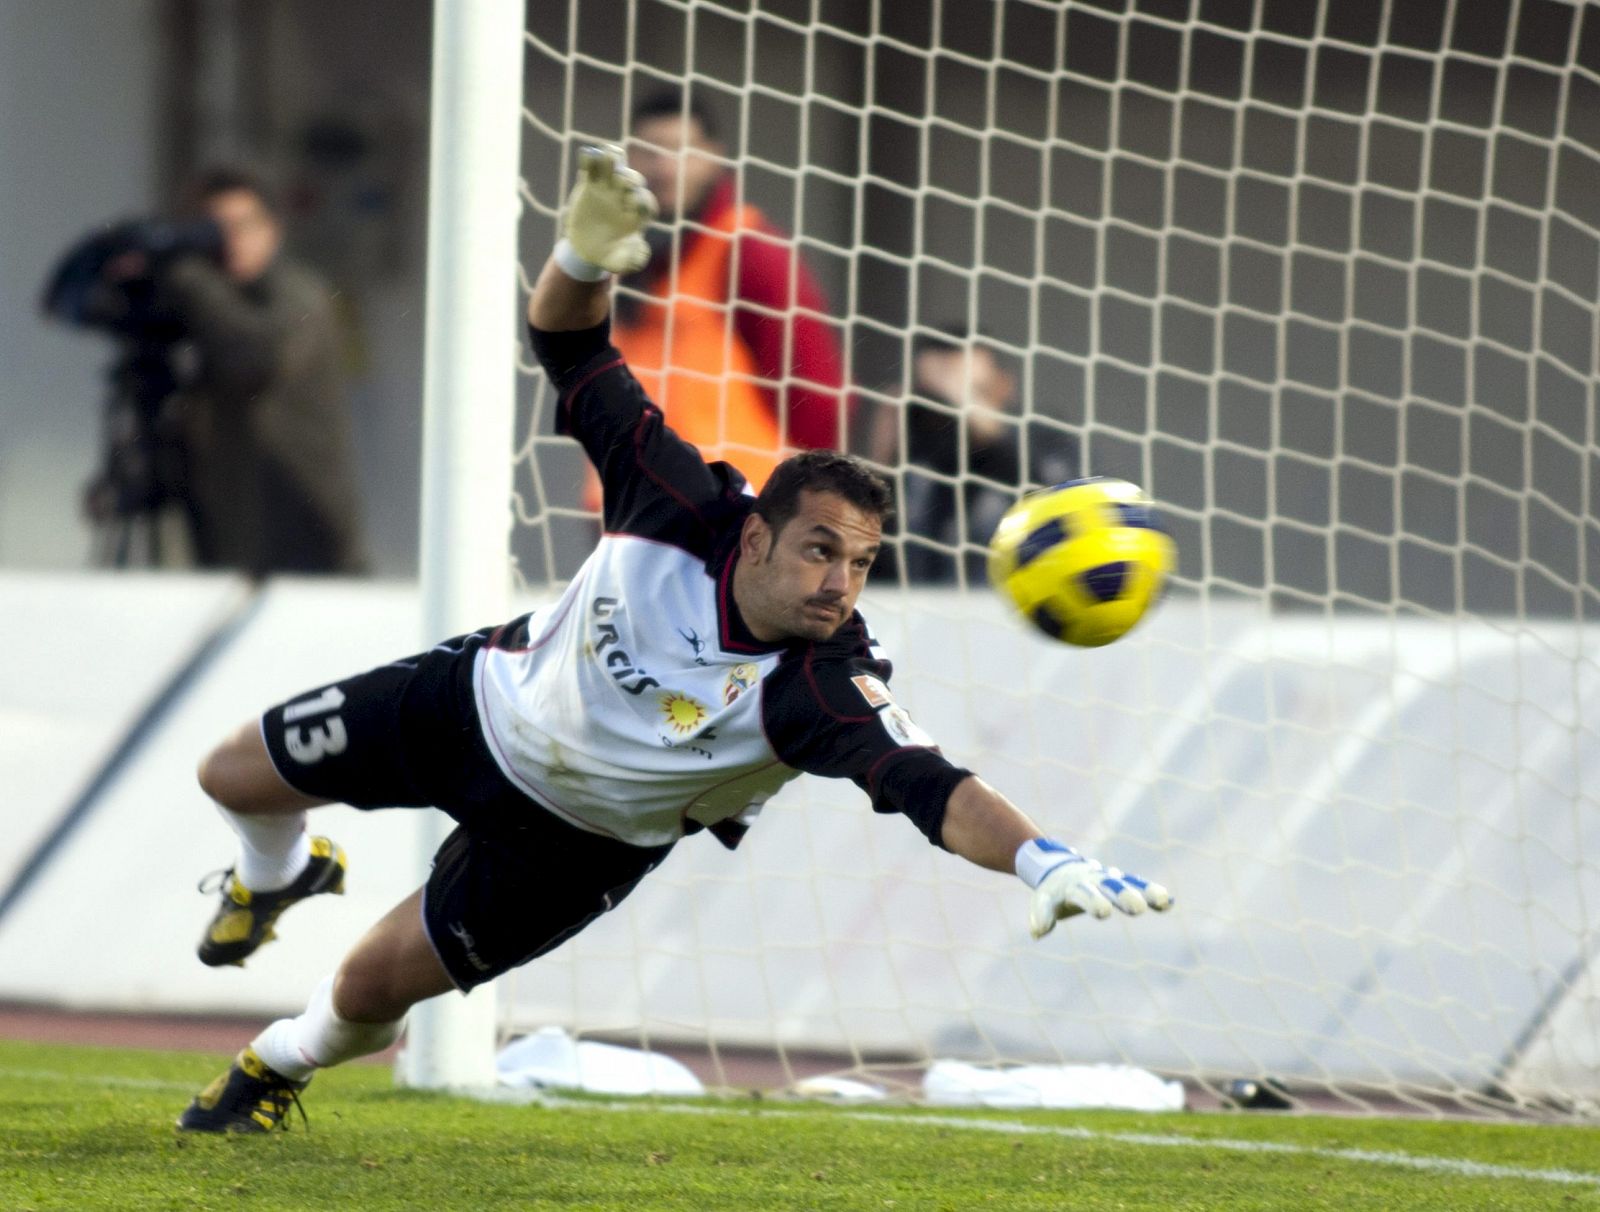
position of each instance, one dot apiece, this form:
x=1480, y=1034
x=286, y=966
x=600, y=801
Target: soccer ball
x=1082, y=561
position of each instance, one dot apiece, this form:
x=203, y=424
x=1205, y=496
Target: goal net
x=1322, y=278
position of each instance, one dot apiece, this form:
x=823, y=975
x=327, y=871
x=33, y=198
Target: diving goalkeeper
x=706, y=653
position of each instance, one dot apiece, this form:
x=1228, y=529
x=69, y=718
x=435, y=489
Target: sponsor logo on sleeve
x=898, y=723
x=896, y=720
x=874, y=691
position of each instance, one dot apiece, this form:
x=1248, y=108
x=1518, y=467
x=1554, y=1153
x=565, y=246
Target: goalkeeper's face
x=802, y=582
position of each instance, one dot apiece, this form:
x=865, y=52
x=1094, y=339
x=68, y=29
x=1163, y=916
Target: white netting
x=1322, y=277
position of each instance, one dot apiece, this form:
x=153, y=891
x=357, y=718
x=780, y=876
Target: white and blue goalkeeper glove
x=605, y=217
x=1066, y=883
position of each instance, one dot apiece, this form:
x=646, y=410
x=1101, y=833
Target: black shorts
x=514, y=880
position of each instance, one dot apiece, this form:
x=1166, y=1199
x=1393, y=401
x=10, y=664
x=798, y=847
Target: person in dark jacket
x=965, y=455
x=267, y=479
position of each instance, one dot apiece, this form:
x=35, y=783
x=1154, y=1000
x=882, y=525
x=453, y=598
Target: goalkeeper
x=707, y=652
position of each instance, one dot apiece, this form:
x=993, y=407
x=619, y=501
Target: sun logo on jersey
x=740, y=679
x=683, y=713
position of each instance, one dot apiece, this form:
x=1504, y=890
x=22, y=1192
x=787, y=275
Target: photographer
x=238, y=412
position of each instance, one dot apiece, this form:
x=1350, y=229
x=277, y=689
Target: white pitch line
x=126, y=1083
x=1380, y=1157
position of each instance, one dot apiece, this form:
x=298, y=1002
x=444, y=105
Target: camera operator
x=238, y=377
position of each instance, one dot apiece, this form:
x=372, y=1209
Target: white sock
x=273, y=849
x=298, y=1047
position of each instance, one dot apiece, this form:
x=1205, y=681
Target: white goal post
x=468, y=404
x=1321, y=275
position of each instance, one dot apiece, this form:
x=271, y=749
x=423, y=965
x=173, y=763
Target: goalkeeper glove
x=1066, y=883
x=606, y=214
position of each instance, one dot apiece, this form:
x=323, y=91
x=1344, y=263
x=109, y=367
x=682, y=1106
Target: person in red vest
x=725, y=328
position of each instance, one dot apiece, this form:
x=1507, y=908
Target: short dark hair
x=822, y=471
x=217, y=179
x=671, y=103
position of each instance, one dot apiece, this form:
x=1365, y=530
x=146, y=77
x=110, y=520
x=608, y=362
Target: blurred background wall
x=80, y=143
x=106, y=108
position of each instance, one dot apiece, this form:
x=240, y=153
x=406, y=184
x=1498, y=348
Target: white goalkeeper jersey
x=639, y=706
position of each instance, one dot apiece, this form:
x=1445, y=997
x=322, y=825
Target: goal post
x=468, y=408
x=1321, y=277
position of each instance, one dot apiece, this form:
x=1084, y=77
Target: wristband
x=574, y=266
x=1040, y=856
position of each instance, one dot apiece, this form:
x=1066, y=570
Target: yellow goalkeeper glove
x=605, y=217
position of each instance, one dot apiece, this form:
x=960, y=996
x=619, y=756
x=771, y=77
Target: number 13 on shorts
x=323, y=734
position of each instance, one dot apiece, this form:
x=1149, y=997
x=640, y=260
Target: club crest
x=740, y=678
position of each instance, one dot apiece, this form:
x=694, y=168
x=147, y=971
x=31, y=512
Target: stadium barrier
x=1374, y=887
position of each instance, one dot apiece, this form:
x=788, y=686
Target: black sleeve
x=835, y=717
x=654, y=483
x=565, y=354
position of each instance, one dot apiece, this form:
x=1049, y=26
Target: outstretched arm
x=838, y=719
x=985, y=828
x=602, y=234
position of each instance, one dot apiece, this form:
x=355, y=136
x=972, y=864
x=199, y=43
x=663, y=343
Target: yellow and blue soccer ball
x=1082, y=561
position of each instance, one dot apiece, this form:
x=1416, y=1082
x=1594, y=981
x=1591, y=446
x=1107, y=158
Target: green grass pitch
x=86, y=1128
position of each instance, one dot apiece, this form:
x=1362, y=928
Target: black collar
x=733, y=634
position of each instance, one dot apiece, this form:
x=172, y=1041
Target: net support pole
x=469, y=385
